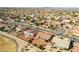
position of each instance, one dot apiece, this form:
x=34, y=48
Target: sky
x=39, y=3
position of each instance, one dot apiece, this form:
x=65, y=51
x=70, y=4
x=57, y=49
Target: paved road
x=20, y=42
x=27, y=25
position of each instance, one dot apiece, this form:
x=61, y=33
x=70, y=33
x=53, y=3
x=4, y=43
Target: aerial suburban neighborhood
x=39, y=29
